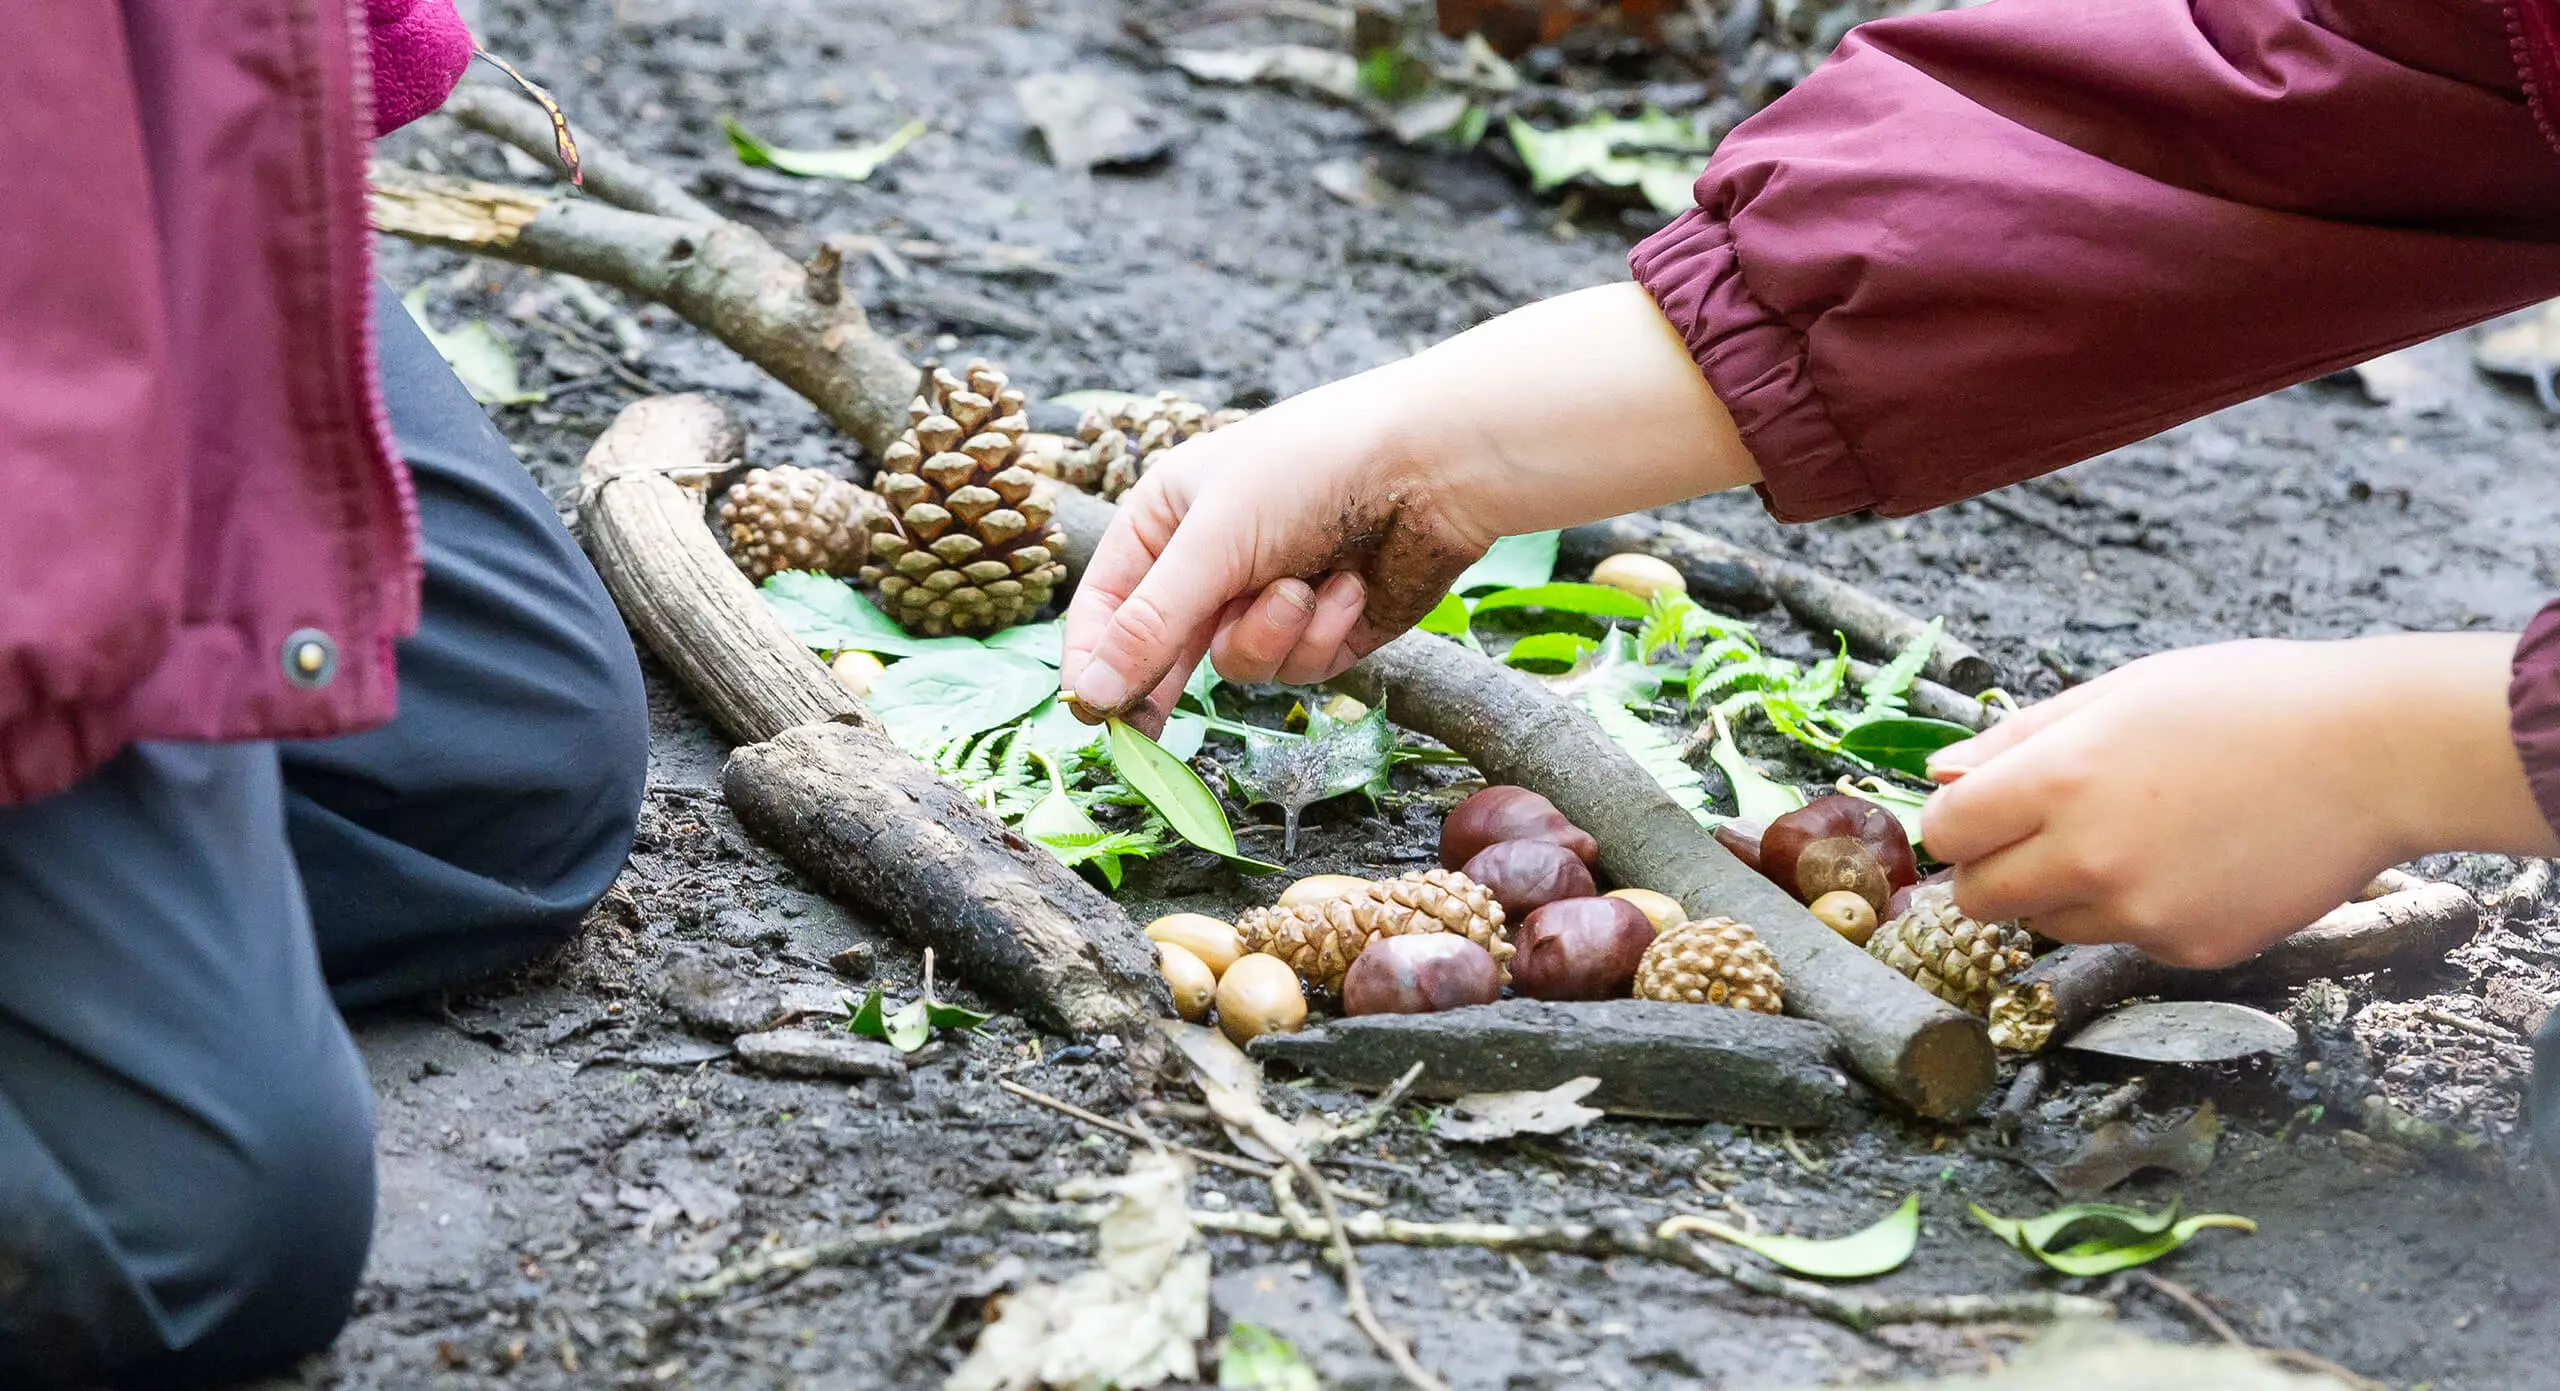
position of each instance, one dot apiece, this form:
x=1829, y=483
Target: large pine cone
x=1713, y=961
x=970, y=549
x=1951, y=956
x=797, y=519
x=1321, y=940
x=1119, y=445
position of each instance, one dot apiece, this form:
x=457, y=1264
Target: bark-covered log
x=1677, y=1062
x=1929, y=700
x=1923, y=1053
x=722, y=276
x=607, y=173
x=1823, y=601
x=2053, y=999
x=819, y=779
x=879, y=829
x=1716, y=580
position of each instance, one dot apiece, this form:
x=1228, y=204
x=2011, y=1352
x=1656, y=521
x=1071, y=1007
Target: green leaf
x=1254, y=1358
x=1448, y=618
x=927, y=701
x=2101, y=1238
x=943, y=1014
x=1549, y=650
x=1884, y=691
x=867, y=1017
x=477, y=355
x=1658, y=756
x=1614, y=671
x=1333, y=758
x=1177, y=794
x=1655, y=153
x=1514, y=562
x=1673, y=620
x=1200, y=685
x=1041, y=642
x=1874, y=1251
x=1593, y=600
x=1756, y=795
x=1901, y=742
x=855, y=165
x=1053, y=731
x=909, y=1028
x=829, y=615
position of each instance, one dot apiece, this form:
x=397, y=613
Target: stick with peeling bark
x=2060, y=994
x=1923, y=1053
x=817, y=778
x=1823, y=601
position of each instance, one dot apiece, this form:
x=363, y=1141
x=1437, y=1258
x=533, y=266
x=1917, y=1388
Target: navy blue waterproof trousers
x=186, y=1131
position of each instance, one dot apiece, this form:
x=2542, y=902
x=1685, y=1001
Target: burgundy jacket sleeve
x=1981, y=244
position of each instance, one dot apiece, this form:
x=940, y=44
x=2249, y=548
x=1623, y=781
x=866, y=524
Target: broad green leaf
x=1178, y=795
x=942, y=1014
x=1254, y=1358
x=1041, y=642
x=1659, y=154
x=1054, y=732
x=909, y=1028
x=1658, y=756
x=829, y=615
x=1514, y=562
x=1448, y=618
x=867, y=1018
x=1884, y=692
x=1549, y=650
x=1902, y=743
x=1874, y=1251
x=1756, y=795
x=1199, y=686
x=1332, y=758
x=1673, y=620
x=930, y=700
x=480, y=358
x=1592, y=600
x=855, y=165
x=2100, y=1238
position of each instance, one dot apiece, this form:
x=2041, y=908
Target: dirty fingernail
x=1294, y=593
x=1101, y=687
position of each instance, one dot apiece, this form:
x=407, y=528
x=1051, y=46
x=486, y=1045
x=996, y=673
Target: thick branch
x=720, y=275
x=1923, y=1053
x=2056, y=997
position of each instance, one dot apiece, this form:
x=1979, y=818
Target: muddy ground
x=555, y=1150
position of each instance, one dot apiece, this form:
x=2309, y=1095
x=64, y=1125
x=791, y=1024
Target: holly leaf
x=1902, y=743
x=1513, y=562
x=925, y=702
x=1332, y=758
x=853, y=165
x=829, y=615
x=1178, y=795
x=1874, y=1251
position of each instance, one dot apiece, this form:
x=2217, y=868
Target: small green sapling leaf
x=854, y=165
x=1254, y=1358
x=1513, y=562
x=1332, y=758
x=1551, y=651
x=2101, y=1238
x=1178, y=795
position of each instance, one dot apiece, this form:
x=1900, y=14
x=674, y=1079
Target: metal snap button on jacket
x=310, y=658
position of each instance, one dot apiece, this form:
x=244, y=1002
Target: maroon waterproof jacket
x=1978, y=245
x=203, y=533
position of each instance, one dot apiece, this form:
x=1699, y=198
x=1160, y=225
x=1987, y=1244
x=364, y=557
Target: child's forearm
x=2445, y=764
x=1573, y=409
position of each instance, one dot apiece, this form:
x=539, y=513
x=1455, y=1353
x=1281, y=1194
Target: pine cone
x=1714, y=961
x=970, y=548
x=1120, y=445
x=1320, y=940
x=797, y=519
x=1951, y=956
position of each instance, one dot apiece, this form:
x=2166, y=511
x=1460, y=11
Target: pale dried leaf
x=1501, y=1115
x=2185, y=1031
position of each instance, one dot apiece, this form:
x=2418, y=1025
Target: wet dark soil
x=557, y=1149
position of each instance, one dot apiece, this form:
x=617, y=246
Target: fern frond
x=1652, y=751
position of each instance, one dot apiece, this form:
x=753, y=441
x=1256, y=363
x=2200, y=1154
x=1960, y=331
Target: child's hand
x=2201, y=804
x=1290, y=544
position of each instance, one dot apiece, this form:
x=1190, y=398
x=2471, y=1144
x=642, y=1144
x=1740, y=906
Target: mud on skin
x=550, y=1158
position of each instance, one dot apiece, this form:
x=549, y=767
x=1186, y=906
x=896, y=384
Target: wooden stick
x=505, y=115
x=1827, y=603
x=1715, y=579
x=1126, y=1131
x=819, y=779
x=1925, y=1054
x=2059, y=995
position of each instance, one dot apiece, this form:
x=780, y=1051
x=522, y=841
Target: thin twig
x=2220, y=1327
x=1355, y=1291
x=1795, y=1151
x=1134, y=1132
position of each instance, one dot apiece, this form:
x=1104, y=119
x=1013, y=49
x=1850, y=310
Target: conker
x=1316, y=888
x=1743, y=839
x=1527, y=875
x=1846, y=913
x=1498, y=814
x=1662, y=909
x=1900, y=903
x=1420, y=973
x=1260, y=995
x=1580, y=949
x=1193, y=984
x=1839, y=842
x=1216, y=943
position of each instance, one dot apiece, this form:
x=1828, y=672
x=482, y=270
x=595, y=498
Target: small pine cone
x=797, y=519
x=1953, y=957
x=966, y=546
x=1320, y=940
x=1714, y=961
x=1120, y=445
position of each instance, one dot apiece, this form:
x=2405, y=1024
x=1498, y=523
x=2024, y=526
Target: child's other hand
x=2201, y=804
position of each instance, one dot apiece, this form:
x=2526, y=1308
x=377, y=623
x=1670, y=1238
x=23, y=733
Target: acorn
x=1663, y=910
x=1420, y=974
x=1498, y=814
x=1716, y=961
x=1316, y=888
x=794, y=518
x=1527, y=875
x=1961, y=961
x=1638, y=574
x=1839, y=842
x=1322, y=939
x=1193, y=984
x=1847, y=913
x=1215, y=943
x=970, y=548
x=1260, y=995
x=1580, y=949
x=855, y=671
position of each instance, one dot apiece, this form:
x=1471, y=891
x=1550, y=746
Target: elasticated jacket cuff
x=2533, y=708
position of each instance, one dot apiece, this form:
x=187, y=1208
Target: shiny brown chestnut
x=1743, y=839
x=1420, y=973
x=1527, y=875
x=1580, y=949
x=1498, y=814
x=1839, y=842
